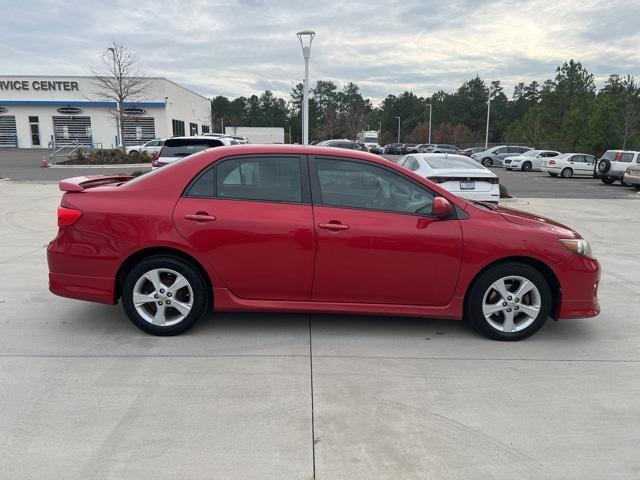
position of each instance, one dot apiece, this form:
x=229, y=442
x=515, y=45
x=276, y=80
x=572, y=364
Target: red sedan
x=311, y=229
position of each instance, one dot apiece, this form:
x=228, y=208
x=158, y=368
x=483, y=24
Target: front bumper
x=579, y=278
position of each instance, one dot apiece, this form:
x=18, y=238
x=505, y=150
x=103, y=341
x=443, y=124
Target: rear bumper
x=579, y=278
x=631, y=179
x=92, y=289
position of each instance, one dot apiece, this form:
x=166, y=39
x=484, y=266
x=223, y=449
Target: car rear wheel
x=164, y=295
x=607, y=180
x=487, y=162
x=509, y=302
x=566, y=173
x=526, y=166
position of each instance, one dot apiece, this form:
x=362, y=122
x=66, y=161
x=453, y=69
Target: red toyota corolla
x=293, y=228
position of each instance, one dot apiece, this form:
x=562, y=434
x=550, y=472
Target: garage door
x=139, y=130
x=8, y=131
x=72, y=130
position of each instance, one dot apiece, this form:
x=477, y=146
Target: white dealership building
x=42, y=111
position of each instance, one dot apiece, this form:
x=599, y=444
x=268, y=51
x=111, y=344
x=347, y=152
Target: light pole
x=430, y=108
x=486, y=137
x=398, y=129
x=306, y=37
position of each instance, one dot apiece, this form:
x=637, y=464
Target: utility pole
x=486, y=137
x=398, y=129
x=430, y=109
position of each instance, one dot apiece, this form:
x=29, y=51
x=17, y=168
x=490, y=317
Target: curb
x=120, y=165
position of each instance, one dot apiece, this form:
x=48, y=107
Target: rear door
x=251, y=218
x=376, y=240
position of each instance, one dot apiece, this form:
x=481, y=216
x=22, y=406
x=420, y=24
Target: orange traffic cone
x=45, y=162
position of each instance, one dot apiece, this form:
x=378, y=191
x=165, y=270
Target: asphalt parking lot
x=253, y=396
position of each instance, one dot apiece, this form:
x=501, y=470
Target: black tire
x=201, y=299
x=637, y=187
x=481, y=285
x=566, y=173
x=607, y=180
x=604, y=166
x=552, y=174
x=526, y=166
x=487, y=162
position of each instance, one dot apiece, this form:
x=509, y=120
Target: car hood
x=531, y=220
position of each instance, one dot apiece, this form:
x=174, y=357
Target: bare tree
x=119, y=79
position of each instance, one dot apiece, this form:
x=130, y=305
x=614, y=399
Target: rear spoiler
x=80, y=184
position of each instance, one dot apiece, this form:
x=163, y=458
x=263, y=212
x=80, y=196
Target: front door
x=376, y=240
x=251, y=218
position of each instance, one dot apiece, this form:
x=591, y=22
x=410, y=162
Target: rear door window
x=276, y=179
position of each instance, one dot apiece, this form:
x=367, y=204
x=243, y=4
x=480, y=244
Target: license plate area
x=467, y=185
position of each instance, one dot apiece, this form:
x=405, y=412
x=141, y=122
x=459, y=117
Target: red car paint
x=262, y=256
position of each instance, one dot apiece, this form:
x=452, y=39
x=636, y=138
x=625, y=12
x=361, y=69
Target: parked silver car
x=494, y=156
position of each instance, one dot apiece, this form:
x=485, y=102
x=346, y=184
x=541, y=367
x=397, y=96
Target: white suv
x=613, y=163
x=175, y=148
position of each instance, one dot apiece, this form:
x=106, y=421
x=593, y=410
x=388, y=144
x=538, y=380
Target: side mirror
x=442, y=207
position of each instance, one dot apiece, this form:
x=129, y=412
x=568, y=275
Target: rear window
x=609, y=155
x=182, y=147
x=626, y=157
x=453, y=162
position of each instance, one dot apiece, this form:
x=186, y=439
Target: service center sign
x=38, y=85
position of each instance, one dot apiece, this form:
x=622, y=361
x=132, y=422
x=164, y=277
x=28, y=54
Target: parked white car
x=457, y=173
x=531, y=160
x=569, y=164
x=176, y=148
x=152, y=146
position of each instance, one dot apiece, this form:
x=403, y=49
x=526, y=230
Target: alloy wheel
x=163, y=297
x=511, y=304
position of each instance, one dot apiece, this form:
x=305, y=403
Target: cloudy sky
x=243, y=47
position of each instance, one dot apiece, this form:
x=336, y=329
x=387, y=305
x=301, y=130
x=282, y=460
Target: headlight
x=577, y=245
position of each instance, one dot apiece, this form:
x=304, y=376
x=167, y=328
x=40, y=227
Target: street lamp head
x=306, y=37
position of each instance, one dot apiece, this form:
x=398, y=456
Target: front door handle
x=199, y=217
x=333, y=226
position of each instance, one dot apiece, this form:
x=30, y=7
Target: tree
x=119, y=79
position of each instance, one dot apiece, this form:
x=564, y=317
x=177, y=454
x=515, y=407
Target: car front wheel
x=487, y=162
x=526, y=166
x=164, y=295
x=509, y=302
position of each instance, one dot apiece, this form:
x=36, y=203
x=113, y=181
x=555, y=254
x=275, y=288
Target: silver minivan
x=495, y=155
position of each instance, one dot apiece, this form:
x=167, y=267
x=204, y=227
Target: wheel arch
x=139, y=255
x=544, y=269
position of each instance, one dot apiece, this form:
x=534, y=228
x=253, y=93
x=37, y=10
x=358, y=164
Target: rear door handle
x=199, y=217
x=333, y=226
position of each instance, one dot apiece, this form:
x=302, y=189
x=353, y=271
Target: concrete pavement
x=84, y=394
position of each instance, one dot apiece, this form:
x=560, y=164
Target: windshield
x=370, y=140
x=182, y=147
x=609, y=155
x=563, y=155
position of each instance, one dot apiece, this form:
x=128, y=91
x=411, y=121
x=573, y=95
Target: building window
x=205, y=128
x=33, y=119
x=193, y=128
x=178, y=128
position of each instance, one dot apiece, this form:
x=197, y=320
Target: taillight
x=68, y=216
x=552, y=162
